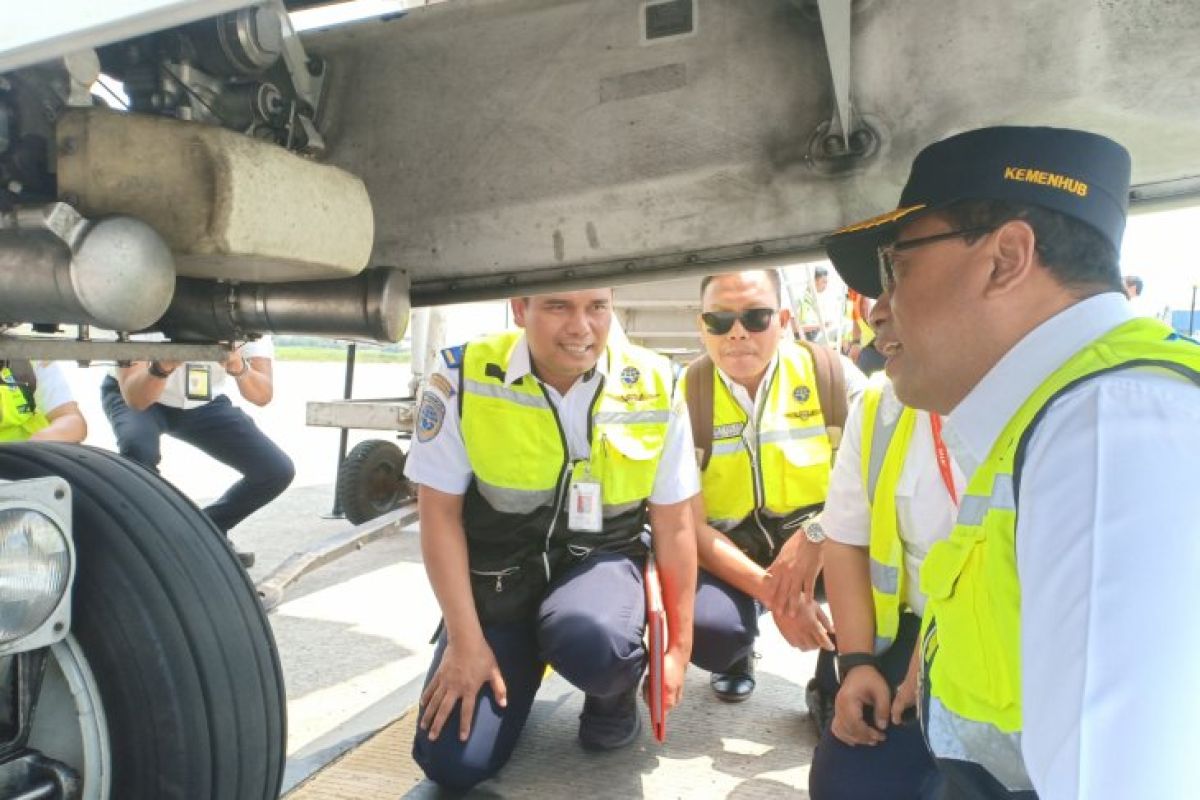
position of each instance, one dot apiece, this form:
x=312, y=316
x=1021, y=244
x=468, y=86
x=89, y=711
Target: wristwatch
x=245, y=368
x=814, y=532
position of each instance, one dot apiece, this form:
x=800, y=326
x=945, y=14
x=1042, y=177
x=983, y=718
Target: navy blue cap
x=1076, y=173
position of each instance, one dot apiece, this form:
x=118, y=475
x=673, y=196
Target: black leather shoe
x=609, y=723
x=736, y=685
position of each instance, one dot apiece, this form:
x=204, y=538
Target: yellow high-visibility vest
x=971, y=628
x=884, y=449
x=514, y=439
x=18, y=419
x=786, y=466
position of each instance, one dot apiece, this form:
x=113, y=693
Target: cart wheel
x=371, y=480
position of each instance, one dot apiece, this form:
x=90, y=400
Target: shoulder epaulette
x=453, y=356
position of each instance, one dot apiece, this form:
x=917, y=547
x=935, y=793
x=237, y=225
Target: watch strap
x=848, y=661
x=157, y=371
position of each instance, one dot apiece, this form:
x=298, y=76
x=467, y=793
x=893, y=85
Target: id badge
x=199, y=382
x=584, y=503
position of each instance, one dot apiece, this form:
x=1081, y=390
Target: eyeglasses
x=887, y=253
x=754, y=320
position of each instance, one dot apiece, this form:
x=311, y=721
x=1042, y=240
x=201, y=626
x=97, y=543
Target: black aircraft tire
x=169, y=623
x=371, y=480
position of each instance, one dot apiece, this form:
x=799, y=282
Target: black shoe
x=820, y=706
x=609, y=723
x=247, y=559
x=737, y=684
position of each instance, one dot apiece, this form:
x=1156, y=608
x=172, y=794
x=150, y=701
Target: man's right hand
x=464, y=669
x=863, y=686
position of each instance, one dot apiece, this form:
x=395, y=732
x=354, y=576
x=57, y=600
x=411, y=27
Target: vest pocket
x=971, y=656
x=507, y=593
x=804, y=476
x=630, y=461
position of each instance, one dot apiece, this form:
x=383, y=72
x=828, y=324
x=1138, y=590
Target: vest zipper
x=498, y=574
x=560, y=494
x=760, y=492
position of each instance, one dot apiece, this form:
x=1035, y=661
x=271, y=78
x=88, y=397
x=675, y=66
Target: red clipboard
x=656, y=646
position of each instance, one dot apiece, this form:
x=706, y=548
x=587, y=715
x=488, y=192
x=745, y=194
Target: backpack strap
x=831, y=389
x=699, y=376
x=24, y=376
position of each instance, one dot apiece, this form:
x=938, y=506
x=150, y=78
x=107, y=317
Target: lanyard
x=943, y=457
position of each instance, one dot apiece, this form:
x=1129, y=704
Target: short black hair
x=1136, y=282
x=772, y=275
x=1075, y=253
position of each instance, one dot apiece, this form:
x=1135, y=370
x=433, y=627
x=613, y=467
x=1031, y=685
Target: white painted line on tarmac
x=393, y=603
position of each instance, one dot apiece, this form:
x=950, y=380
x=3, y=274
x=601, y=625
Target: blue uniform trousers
x=725, y=624
x=899, y=768
x=217, y=428
x=589, y=629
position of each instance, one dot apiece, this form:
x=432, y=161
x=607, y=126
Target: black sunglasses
x=754, y=320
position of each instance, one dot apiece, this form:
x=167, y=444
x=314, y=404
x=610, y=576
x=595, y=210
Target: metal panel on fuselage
x=510, y=145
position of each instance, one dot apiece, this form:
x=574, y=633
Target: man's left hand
x=793, y=575
x=674, y=669
x=236, y=363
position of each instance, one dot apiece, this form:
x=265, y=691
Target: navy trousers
x=218, y=428
x=589, y=629
x=725, y=624
x=899, y=768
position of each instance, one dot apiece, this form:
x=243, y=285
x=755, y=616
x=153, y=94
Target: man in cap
x=541, y=454
x=1075, y=546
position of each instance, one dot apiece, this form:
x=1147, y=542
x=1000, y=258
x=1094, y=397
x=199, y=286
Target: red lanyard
x=943, y=457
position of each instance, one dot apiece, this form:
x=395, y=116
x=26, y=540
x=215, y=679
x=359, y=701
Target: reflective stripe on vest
x=971, y=636
x=884, y=449
x=792, y=465
x=17, y=421
x=517, y=450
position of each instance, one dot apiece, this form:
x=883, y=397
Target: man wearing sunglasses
x=541, y=454
x=766, y=475
x=1059, y=637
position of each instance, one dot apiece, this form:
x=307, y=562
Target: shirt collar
x=742, y=395
x=972, y=427
x=521, y=363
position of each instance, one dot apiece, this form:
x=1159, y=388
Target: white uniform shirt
x=925, y=511
x=1108, y=553
x=52, y=389
x=441, y=462
x=174, y=393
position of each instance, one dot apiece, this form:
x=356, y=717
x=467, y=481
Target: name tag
x=585, y=504
x=199, y=382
